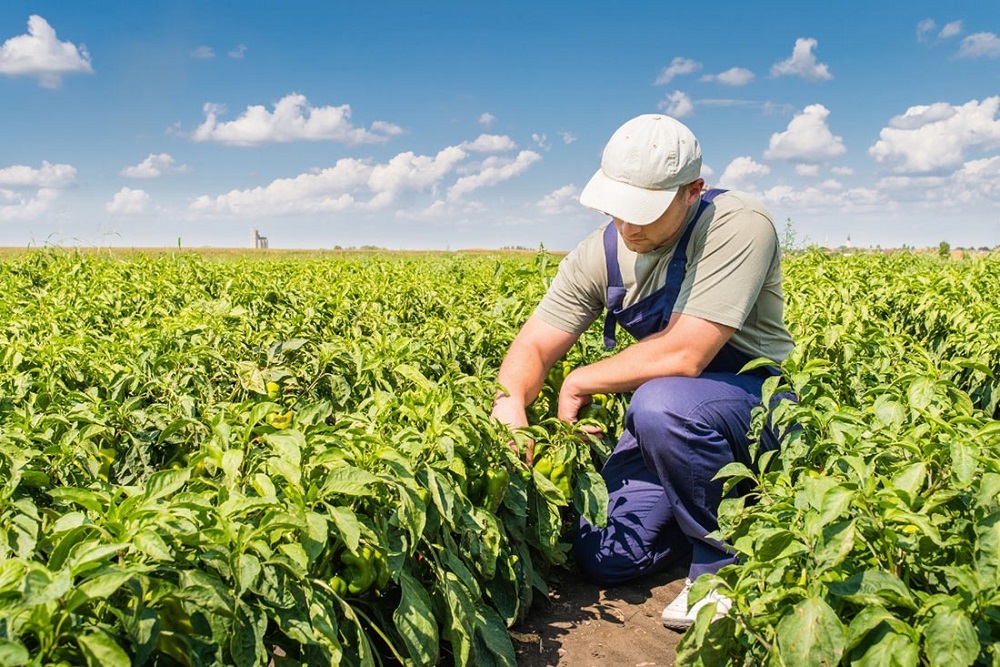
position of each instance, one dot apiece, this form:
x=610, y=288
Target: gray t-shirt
x=733, y=277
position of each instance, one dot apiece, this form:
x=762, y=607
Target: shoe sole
x=678, y=625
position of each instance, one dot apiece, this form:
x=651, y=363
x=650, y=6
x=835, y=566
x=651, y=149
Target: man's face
x=661, y=232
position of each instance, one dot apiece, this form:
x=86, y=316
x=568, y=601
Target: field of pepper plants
x=288, y=460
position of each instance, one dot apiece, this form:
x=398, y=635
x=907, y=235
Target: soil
x=583, y=625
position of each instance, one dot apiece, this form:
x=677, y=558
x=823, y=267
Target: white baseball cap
x=646, y=160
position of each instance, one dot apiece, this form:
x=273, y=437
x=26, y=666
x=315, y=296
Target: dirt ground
x=583, y=625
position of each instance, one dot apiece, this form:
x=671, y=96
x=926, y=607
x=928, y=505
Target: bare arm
x=535, y=349
x=683, y=349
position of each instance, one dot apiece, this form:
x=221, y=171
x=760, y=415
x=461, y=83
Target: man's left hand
x=571, y=399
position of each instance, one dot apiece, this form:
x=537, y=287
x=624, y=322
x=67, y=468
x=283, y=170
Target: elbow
x=687, y=365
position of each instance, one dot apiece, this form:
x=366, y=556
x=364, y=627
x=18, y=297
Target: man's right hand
x=511, y=413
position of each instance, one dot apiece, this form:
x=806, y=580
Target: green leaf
x=911, y=479
x=288, y=445
x=921, y=393
x=734, y=472
x=951, y=640
x=149, y=543
x=250, y=377
x=346, y=522
x=988, y=552
x=492, y=645
x=42, y=587
x=708, y=643
x=838, y=541
x=415, y=622
x=232, y=462
x=246, y=572
x=459, y=609
x=247, y=642
x=590, y=498
x=964, y=462
x=165, y=482
x=83, y=497
x=100, y=650
x=317, y=533
x=96, y=588
x=351, y=481
x=884, y=648
x=874, y=587
x=811, y=635
x=13, y=654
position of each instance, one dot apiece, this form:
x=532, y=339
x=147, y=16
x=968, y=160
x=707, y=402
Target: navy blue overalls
x=678, y=433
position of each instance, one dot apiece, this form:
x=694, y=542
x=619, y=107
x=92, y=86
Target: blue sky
x=474, y=125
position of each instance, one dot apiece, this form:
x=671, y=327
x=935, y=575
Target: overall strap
x=616, y=287
x=675, y=270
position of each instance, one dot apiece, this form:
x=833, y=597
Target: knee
x=659, y=401
x=601, y=561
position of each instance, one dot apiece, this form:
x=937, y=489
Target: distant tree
x=790, y=240
x=944, y=249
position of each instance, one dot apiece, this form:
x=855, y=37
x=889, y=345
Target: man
x=696, y=278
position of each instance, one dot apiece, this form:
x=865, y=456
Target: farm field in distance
x=238, y=458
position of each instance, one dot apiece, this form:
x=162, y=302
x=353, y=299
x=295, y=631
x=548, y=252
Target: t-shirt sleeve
x=577, y=294
x=730, y=262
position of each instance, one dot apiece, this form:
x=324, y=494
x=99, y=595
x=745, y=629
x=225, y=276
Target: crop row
x=257, y=460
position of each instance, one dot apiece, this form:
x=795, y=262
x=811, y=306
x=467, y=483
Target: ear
x=692, y=191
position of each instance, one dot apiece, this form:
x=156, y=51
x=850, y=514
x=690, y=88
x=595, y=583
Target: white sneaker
x=677, y=616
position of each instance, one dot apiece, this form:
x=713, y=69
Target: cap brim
x=635, y=205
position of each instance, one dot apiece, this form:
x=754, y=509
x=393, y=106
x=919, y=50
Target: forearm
x=535, y=348
x=521, y=374
x=683, y=349
x=633, y=366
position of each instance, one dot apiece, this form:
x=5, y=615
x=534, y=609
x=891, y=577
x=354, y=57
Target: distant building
x=257, y=241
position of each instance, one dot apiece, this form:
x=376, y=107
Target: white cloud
x=541, y=140
x=128, y=202
x=807, y=169
x=979, y=179
x=40, y=53
x=293, y=119
x=980, y=45
x=487, y=119
x=819, y=199
x=238, y=52
x=203, y=53
x=802, y=63
x=842, y=171
x=937, y=137
x=154, y=166
x=742, y=174
x=831, y=184
x=807, y=139
x=976, y=182
x=16, y=207
x=55, y=176
x=950, y=30
x=409, y=172
x=353, y=184
x=678, y=66
x=924, y=28
x=350, y=183
x=567, y=137
x=490, y=143
x=677, y=104
x=327, y=190
x=493, y=170
x=736, y=76
x=563, y=200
